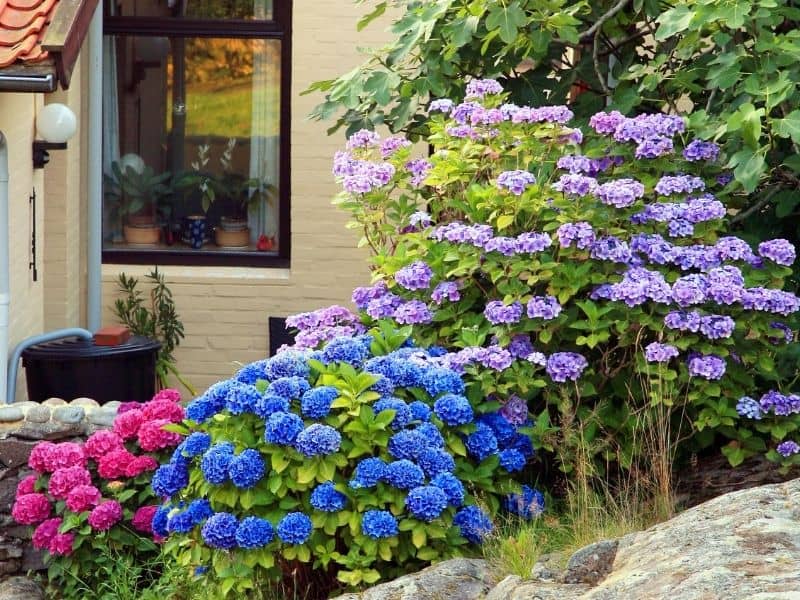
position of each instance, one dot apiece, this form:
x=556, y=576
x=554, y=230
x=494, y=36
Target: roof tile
x=23, y=24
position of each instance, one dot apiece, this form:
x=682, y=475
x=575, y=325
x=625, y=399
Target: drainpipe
x=5, y=296
x=94, y=254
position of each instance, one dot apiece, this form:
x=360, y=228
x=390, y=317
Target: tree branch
x=596, y=60
x=586, y=35
x=757, y=206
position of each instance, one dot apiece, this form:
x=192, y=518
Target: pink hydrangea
x=39, y=457
x=114, y=464
x=101, y=443
x=45, y=532
x=65, y=455
x=27, y=485
x=31, y=509
x=61, y=544
x=139, y=465
x=126, y=425
x=62, y=481
x=143, y=519
x=128, y=406
x=104, y=516
x=153, y=437
x=82, y=497
x=170, y=394
x=163, y=409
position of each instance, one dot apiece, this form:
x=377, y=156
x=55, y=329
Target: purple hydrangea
x=639, y=285
x=416, y=276
x=620, y=193
x=750, y=408
x=786, y=331
x=507, y=246
x=391, y=145
x=700, y=150
x=679, y=184
x=413, y=312
x=611, y=248
x=716, y=327
x=654, y=147
x=368, y=176
x=478, y=88
x=779, y=251
x=543, y=307
x=533, y=242
x=660, y=353
x=447, y=290
x=690, y=289
x=497, y=312
x=383, y=306
x=364, y=138
x=515, y=410
x=706, y=366
x=563, y=366
x=419, y=168
x=606, y=123
x=683, y=321
x=520, y=346
x=581, y=234
x=515, y=181
x=788, y=448
x=442, y=105
x=543, y=114
x=575, y=184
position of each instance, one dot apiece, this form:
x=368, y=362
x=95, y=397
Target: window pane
x=191, y=148
x=195, y=9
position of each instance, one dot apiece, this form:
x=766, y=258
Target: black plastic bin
x=76, y=368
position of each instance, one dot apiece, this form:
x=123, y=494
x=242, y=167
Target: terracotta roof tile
x=23, y=24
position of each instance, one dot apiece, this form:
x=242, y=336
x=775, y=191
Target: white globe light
x=56, y=123
x=132, y=161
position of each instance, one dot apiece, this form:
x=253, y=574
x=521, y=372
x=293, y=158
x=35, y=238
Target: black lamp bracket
x=41, y=156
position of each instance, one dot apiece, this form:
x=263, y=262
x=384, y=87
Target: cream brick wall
x=26, y=315
x=225, y=310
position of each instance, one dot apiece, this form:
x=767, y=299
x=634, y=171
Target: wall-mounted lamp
x=55, y=124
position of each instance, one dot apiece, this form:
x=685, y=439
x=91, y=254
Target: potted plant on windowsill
x=135, y=191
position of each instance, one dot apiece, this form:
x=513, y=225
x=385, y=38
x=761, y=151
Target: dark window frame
x=280, y=28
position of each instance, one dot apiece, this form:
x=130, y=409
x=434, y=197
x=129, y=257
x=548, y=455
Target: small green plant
x=157, y=319
x=130, y=191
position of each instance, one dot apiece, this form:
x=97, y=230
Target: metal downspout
x=5, y=293
x=94, y=254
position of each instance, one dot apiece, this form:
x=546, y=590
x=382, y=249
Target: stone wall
x=22, y=426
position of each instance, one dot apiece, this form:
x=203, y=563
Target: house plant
x=135, y=193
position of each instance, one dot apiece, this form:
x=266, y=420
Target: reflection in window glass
x=191, y=148
x=195, y=9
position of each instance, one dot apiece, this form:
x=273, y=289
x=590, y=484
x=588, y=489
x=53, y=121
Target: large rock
x=456, y=579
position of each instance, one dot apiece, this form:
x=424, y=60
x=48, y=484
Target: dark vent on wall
x=278, y=335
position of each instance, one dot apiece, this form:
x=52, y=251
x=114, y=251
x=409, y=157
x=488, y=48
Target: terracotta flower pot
x=233, y=239
x=141, y=235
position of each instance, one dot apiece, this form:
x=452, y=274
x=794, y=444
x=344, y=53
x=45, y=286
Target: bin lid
x=71, y=348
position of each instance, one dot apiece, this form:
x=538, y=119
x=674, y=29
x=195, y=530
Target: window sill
x=210, y=255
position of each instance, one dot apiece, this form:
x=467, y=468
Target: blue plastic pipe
x=50, y=336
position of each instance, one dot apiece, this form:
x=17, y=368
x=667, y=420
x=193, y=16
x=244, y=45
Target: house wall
x=26, y=315
x=225, y=310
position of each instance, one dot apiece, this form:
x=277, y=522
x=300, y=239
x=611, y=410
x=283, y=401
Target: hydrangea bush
x=84, y=498
x=588, y=272
x=357, y=460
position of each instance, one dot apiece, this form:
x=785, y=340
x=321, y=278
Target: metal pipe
x=5, y=286
x=94, y=254
x=28, y=83
x=50, y=336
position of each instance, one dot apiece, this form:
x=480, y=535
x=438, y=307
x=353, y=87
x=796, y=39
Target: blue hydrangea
x=383, y=386
x=527, y=504
x=345, y=349
x=251, y=373
x=246, y=469
x=169, y=479
x=327, y=499
x=474, y=524
x=316, y=402
x=219, y=531
x=286, y=364
x=282, y=428
x=201, y=409
x=406, y=444
x=294, y=528
x=453, y=409
x=434, y=461
x=379, y=524
x=503, y=430
x=254, y=532
x=318, y=440
x=404, y=474
x=186, y=520
x=270, y=404
x=289, y=387
x=451, y=486
x=442, y=381
x=194, y=445
x=215, y=461
x=431, y=434
x=426, y=502
x=160, y=520
x=522, y=443
x=242, y=398
x=401, y=372
x=482, y=443
x=402, y=416
x=368, y=473
x=512, y=460
x=420, y=411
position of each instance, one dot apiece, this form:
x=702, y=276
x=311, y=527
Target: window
x=196, y=132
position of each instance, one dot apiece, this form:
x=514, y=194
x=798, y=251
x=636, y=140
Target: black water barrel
x=77, y=368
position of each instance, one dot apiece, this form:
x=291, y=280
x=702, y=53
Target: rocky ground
x=743, y=545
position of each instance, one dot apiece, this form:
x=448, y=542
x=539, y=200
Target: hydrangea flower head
x=379, y=524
